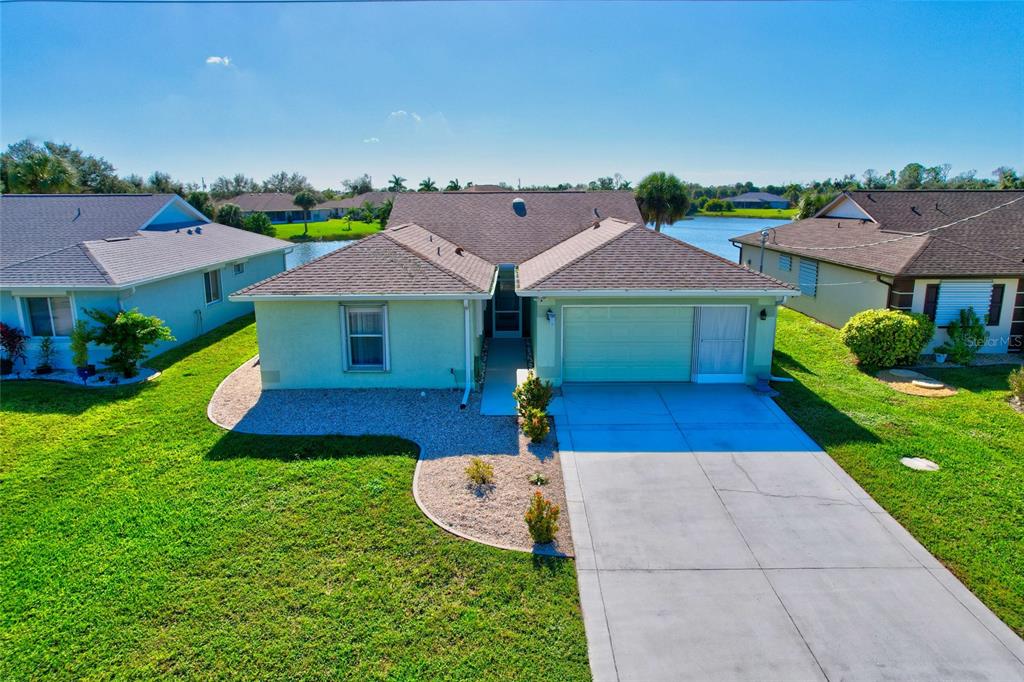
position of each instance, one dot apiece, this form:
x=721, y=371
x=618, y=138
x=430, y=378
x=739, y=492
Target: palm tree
x=662, y=199
x=305, y=200
x=453, y=186
x=397, y=184
x=428, y=185
x=42, y=173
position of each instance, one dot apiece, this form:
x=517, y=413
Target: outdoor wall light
x=551, y=317
x=764, y=314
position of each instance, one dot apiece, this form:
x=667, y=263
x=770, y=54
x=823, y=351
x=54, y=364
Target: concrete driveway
x=715, y=540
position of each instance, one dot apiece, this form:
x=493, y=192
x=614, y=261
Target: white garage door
x=627, y=343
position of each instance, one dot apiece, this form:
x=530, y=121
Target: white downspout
x=469, y=353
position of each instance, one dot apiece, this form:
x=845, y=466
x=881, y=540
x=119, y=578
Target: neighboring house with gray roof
x=758, y=200
x=279, y=206
x=63, y=254
x=339, y=207
x=933, y=252
x=596, y=294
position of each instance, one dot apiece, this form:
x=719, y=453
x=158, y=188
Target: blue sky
x=542, y=92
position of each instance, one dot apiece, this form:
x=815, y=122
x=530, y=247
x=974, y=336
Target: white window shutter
x=808, y=277
x=956, y=295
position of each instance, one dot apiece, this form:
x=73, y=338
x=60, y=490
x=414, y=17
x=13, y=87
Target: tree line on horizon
x=52, y=167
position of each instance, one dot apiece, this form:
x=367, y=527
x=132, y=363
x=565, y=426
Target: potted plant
x=46, y=353
x=942, y=352
x=13, y=341
x=80, y=337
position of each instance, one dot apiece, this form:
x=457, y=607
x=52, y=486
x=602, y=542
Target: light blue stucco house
x=597, y=295
x=63, y=254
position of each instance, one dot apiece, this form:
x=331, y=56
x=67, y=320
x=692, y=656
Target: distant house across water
x=279, y=206
x=758, y=200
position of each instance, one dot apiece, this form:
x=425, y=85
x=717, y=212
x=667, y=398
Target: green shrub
x=532, y=393
x=13, y=341
x=542, y=519
x=46, y=353
x=80, y=337
x=128, y=333
x=1016, y=380
x=538, y=479
x=480, y=472
x=535, y=424
x=966, y=336
x=886, y=338
x=259, y=223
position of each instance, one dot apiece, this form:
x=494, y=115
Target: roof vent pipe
x=519, y=206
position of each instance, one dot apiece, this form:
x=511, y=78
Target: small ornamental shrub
x=887, y=338
x=13, y=341
x=538, y=479
x=480, y=472
x=230, y=215
x=535, y=424
x=259, y=223
x=128, y=333
x=80, y=337
x=966, y=336
x=542, y=519
x=533, y=393
x=1016, y=380
x=45, y=355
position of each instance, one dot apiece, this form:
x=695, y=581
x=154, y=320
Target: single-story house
x=339, y=207
x=279, y=206
x=598, y=296
x=63, y=254
x=932, y=252
x=758, y=200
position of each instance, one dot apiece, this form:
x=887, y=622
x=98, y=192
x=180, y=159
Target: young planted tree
x=305, y=200
x=129, y=334
x=662, y=198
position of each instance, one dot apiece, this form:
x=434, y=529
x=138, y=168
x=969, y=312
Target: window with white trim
x=957, y=295
x=49, y=316
x=808, y=277
x=211, y=280
x=239, y=268
x=366, y=337
x=785, y=262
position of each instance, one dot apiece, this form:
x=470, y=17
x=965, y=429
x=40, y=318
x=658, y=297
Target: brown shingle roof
x=560, y=255
x=485, y=223
x=638, y=258
x=395, y=262
x=265, y=201
x=991, y=244
x=375, y=198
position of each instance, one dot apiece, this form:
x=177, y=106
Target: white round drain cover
x=919, y=464
x=928, y=383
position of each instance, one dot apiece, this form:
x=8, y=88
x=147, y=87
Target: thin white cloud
x=222, y=61
x=403, y=114
x=371, y=140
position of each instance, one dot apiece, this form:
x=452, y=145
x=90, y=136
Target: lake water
x=712, y=234
x=303, y=252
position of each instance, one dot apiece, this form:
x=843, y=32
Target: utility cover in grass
x=919, y=464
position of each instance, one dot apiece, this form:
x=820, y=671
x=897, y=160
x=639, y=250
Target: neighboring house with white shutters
x=63, y=254
x=931, y=252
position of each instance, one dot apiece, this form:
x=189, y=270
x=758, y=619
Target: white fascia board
x=260, y=298
x=843, y=196
x=658, y=293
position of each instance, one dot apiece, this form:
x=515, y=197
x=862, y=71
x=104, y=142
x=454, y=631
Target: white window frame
x=27, y=324
x=812, y=290
x=347, y=337
x=785, y=262
x=207, y=277
x=239, y=269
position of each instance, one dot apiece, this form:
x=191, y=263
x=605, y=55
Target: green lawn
x=327, y=230
x=774, y=213
x=970, y=514
x=139, y=540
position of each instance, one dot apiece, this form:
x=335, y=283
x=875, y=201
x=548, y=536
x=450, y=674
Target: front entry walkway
x=504, y=358
x=715, y=540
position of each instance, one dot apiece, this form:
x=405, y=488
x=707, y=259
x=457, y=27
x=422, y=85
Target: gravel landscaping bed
x=448, y=438
x=102, y=379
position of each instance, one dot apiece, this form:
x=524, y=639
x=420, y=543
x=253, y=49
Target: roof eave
x=264, y=298
x=658, y=293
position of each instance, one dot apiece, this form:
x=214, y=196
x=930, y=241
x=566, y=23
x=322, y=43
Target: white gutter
x=469, y=353
x=256, y=298
x=659, y=293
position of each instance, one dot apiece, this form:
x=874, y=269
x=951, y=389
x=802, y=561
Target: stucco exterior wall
x=999, y=335
x=842, y=292
x=175, y=300
x=301, y=345
x=547, y=337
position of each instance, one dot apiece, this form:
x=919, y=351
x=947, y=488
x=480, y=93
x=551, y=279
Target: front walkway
x=504, y=358
x=714, y=540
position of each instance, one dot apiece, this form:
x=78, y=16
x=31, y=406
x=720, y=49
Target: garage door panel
x=627, y=343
